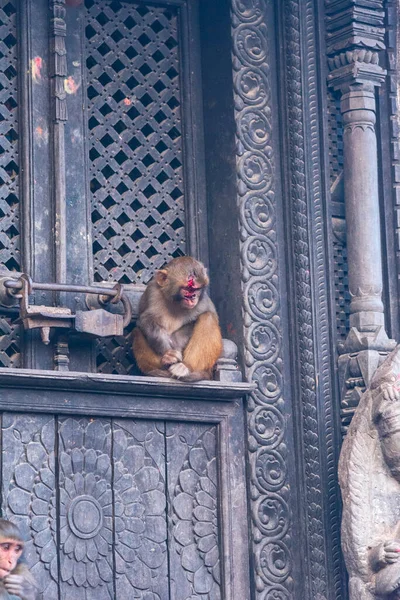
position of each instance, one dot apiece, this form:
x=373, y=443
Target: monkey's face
x=182, y=282
x=10, y=553
x=190, y=293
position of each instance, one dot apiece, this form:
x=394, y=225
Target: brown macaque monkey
x=16, y=582
x=177, y=333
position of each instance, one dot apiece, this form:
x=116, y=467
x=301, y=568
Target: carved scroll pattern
x=98, y=519
x=263, y=334
x=304, y=297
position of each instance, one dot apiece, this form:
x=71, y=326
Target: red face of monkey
x=190, y=294
x=182, y=281
x=10, y=553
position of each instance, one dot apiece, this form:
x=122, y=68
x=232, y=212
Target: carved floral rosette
x=88, y=504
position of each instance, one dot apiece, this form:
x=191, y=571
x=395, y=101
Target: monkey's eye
x=5, y=546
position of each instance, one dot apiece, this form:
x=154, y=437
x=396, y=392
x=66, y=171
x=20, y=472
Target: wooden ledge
x=136, y=386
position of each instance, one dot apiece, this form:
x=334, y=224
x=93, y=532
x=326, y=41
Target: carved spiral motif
x=255, y=170
x=261, y=291
x=255, y=129
x=272, y=515
x=275, y=561
x=270, y=470
x=263, y=298
x=258, y=213
x=265, y=341
x=269, y=380
x=250, y=41
x=277, y=592
x=248, y=11
x=252, y=87
x=268, y=426
x=260, y=256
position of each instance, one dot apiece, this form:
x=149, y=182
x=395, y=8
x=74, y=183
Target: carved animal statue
x=177, y=333
x=16, y=582
x=369, y=476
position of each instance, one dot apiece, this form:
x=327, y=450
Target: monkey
x=16, y=582
x=177, y=333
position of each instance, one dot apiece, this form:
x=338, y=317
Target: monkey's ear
x=161, y=277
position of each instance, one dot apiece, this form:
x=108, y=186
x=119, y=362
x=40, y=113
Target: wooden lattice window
x=9, y=168
x=135, y=138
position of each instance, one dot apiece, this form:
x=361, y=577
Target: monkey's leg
x=147, y=360
x=204, y=347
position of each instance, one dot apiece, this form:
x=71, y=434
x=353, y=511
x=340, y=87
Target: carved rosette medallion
x=91, y=494
x=263, y=332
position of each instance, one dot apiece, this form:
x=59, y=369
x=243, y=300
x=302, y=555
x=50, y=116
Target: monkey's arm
x=147, y=360
x=157, y=337
x=205, y=345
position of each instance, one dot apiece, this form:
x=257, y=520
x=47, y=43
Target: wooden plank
x=28, y=491
x=85, y=510
x=140, y=507
x=194, y=553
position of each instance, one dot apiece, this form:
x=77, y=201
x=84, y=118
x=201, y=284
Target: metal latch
x=94, y=322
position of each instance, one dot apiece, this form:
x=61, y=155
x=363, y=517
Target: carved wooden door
x=124, y=487
x=126, y=506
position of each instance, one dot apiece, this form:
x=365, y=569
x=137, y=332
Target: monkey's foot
x=171, y=357
x=179, y=370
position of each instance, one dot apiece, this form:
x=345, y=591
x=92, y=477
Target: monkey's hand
x=18, y=585
x=170, y=357
x=179, y=370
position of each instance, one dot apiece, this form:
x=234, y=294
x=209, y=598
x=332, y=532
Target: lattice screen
x=335, y=136
x=9, y=202
x=135, y=138
x=342, y=294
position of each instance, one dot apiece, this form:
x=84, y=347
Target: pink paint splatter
x=36, y=68
x=70, y=85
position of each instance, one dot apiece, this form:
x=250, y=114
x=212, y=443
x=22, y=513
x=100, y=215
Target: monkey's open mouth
x=189, y=300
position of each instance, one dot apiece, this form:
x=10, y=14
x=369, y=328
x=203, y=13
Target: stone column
x=362, y=208
x=355, y=37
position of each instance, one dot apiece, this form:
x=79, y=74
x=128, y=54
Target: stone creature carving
x=369, y=476
x=16, y=582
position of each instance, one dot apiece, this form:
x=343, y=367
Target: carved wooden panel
x=115, y=509
x=135, y=138
x=9, y=170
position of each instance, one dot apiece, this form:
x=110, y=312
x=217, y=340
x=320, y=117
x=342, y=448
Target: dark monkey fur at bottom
x=177, y=333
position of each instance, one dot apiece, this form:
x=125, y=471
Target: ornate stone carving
x=97, y=518
x=263, y=334
x=195, y=518
x=370, y=482
x=355, y=33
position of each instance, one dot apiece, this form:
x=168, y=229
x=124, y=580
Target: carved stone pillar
x=354, y=37
x=362, y=212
